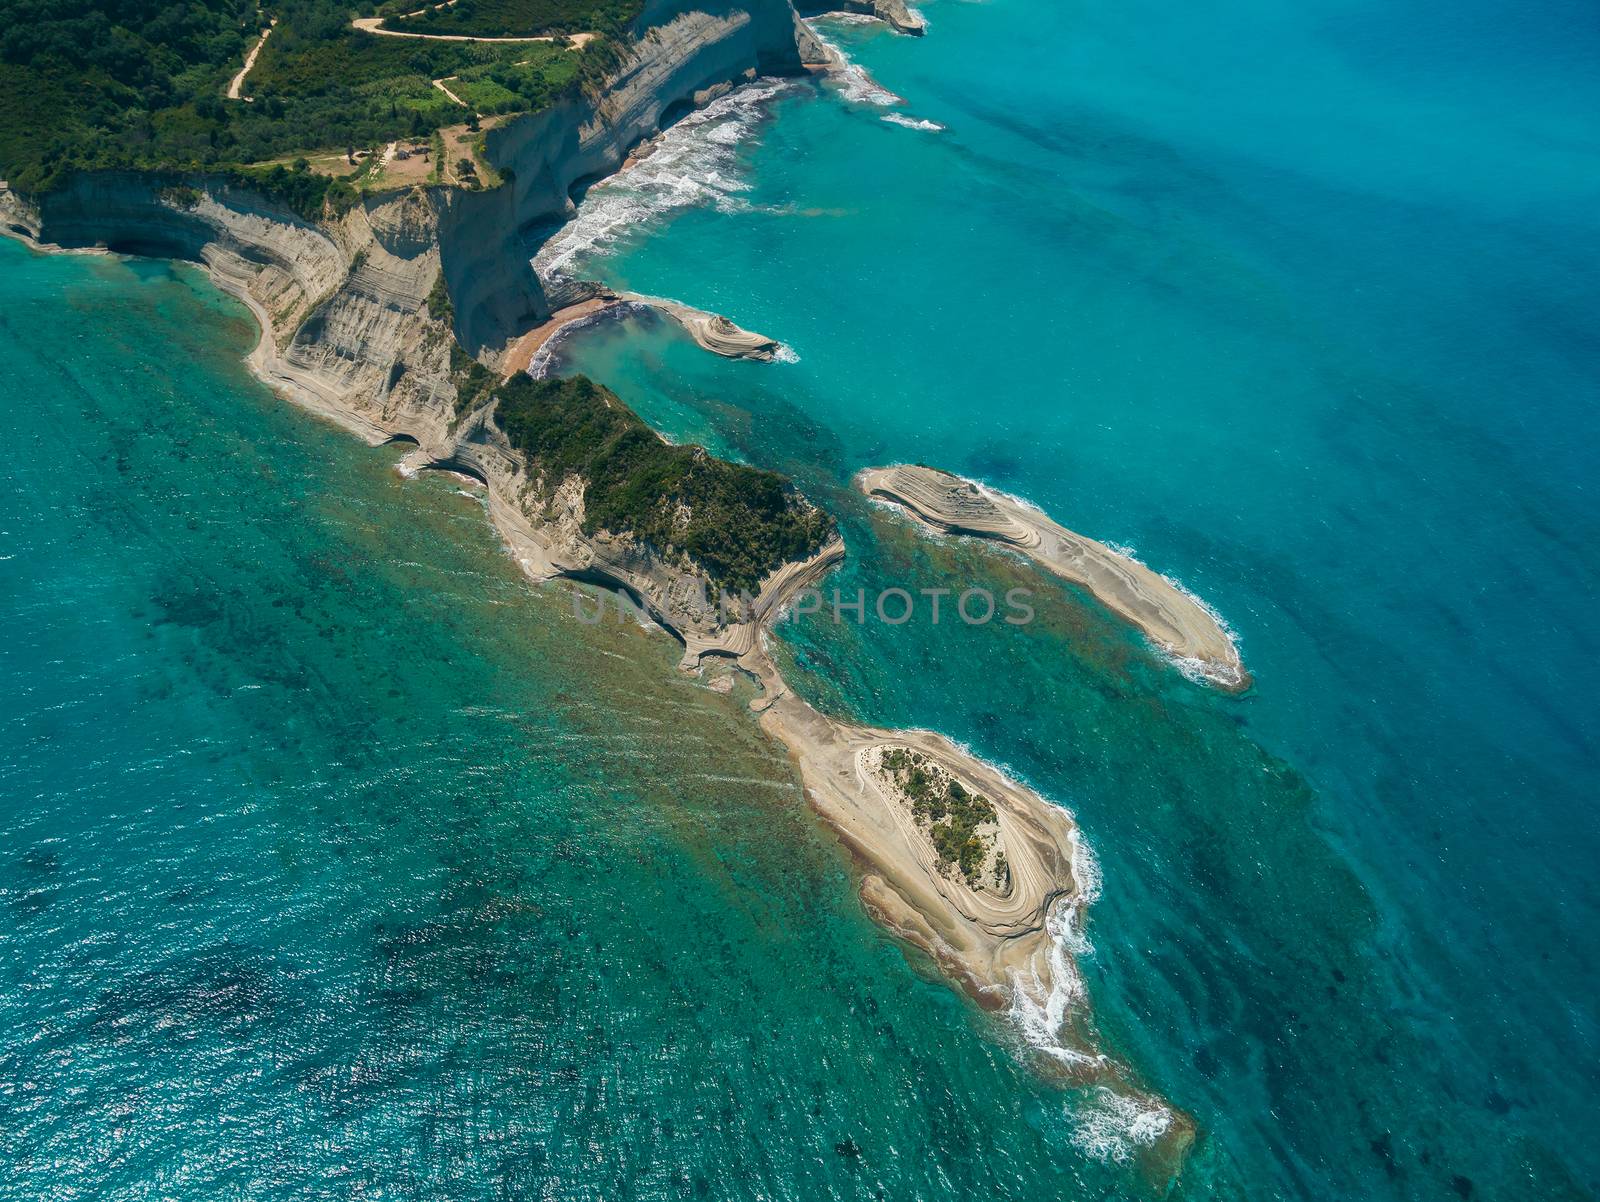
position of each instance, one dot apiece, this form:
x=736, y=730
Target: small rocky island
x=1176, y=622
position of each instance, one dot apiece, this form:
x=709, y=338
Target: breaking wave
x=853, y=82
x=1040, y=1010
x=901, y=119
x=1198, y=670
x=1112, y=1126
x=694, y=162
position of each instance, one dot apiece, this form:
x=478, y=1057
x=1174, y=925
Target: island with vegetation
x=960, y=822
x=733, y=523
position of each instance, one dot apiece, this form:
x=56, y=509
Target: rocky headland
x=893, y=13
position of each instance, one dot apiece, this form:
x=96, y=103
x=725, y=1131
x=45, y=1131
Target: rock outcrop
x=1178, y=623
x=893, y=13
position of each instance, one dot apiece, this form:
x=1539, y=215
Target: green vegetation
x=439, y=305
x=474, y=382
x=303, y=193
x=948, y=812
x=181, y=195
x=540, y=75
x=515, y=18
x=735, y=523
x=140, y=84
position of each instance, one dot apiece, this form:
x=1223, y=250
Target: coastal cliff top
x=299, y=100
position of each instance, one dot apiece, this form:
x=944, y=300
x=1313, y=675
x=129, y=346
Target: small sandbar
x=521, y=353
x=971, y=874
x=1181, y=625
x=710, y=331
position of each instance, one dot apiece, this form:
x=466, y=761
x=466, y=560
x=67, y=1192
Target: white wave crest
x=1039, y=1009
x=1085, y=871
x=901, y=119
x=1198, y=670
x=857, y=86
x=785, y=354
x=1112, y=1126
x=694, y=162
x=853, y=81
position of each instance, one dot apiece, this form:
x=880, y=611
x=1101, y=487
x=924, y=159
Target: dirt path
x=439, y=83
x=375, y=25
x=250, y=61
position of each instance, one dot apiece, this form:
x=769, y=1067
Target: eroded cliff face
x=686, y=52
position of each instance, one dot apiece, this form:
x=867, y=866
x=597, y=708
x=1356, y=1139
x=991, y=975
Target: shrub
x=735, y=523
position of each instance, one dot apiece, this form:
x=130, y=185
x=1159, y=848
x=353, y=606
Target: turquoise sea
x=338, y=861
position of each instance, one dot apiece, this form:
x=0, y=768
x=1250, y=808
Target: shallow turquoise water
x=1297, y=305
x=338, y=861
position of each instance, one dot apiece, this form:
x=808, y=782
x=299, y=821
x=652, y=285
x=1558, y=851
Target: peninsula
x=1172, y=619
x=401, y=304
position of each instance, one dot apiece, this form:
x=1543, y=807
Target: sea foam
x=1198, y=670
x=694, y=162
x=1040, y=1011
x=852, y=80
x=856, y=86
x=1113, y=1126
x=906, y=122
